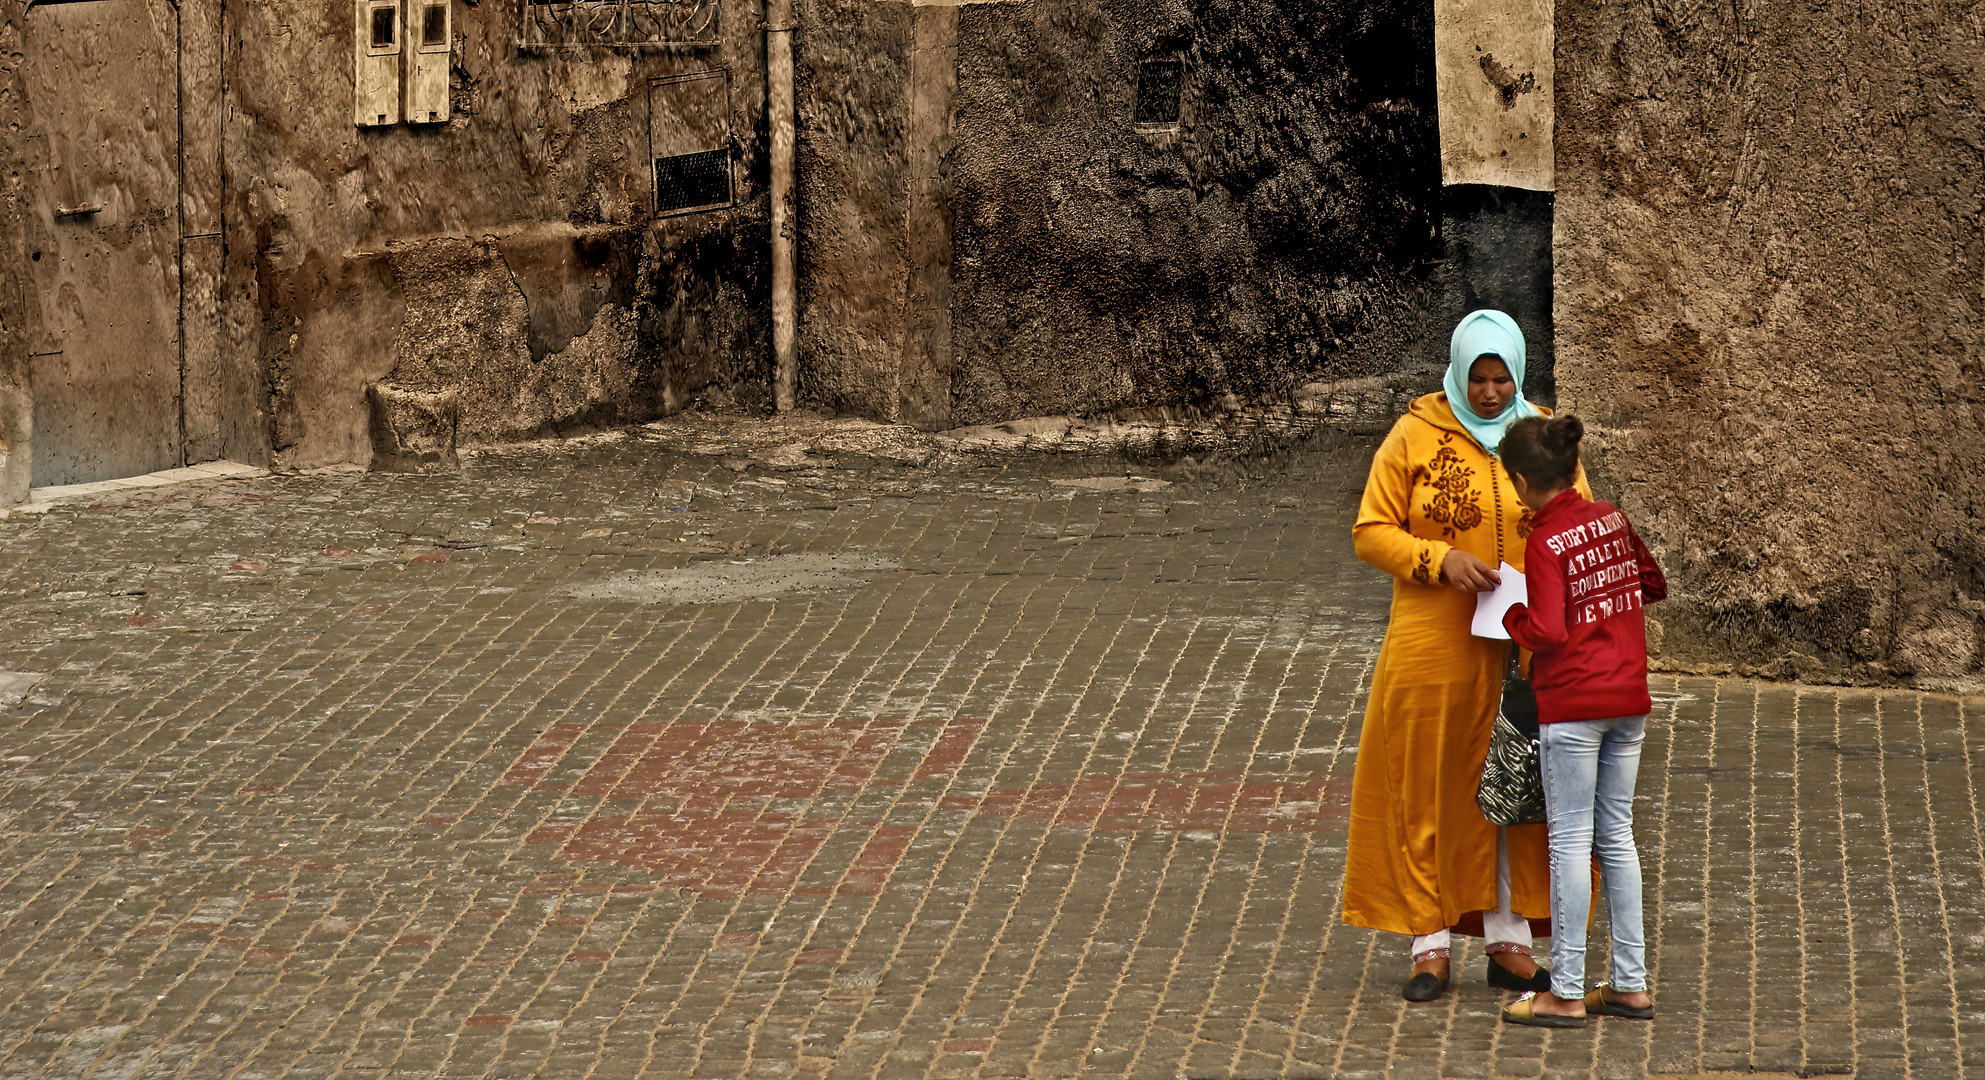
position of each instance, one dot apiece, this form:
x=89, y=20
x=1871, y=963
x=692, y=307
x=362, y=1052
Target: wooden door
x=103, y=93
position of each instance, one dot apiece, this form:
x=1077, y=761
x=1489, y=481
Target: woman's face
x=1490, y=389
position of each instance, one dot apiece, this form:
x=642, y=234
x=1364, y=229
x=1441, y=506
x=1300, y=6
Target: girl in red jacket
x=1588, y=576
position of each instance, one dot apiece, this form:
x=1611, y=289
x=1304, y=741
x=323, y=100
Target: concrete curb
x=42, y=498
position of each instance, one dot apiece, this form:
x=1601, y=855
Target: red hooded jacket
x=1588, y=575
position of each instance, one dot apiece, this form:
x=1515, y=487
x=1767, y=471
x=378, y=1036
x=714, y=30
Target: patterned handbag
x=1511, y=791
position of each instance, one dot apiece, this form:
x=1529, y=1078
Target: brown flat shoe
x=1597, y=1005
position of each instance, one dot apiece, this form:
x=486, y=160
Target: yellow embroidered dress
x=1421, y=855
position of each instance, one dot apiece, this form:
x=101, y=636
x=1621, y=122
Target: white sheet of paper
x=1490, y=606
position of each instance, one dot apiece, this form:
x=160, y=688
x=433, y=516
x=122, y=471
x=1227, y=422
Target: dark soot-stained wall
x=1771, y=302
x=988, y=233
x=1497, y=243
x=1098, y=267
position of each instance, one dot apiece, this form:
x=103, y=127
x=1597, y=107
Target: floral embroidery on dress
x=1456, y=505
x=1423, y=571
x=1524, y=524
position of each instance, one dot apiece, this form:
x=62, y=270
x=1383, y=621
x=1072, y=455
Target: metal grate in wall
x=692, y=181
x=636, y=24
x=1160, y=84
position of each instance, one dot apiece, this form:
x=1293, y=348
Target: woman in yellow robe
x=1440, y=515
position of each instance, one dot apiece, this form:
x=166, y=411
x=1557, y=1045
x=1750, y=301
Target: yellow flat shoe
x=1524, y=1011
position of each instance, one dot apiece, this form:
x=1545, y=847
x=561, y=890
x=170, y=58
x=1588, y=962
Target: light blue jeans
x=1589, y=769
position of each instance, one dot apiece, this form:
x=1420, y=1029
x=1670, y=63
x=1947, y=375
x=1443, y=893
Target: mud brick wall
x=1769, y=290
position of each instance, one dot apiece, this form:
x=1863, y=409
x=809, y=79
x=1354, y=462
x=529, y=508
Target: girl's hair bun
x=1562, y=434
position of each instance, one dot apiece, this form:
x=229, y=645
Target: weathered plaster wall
x=1771, y=302
x=507, y=257
x=986, y=234
x=16, y=312
x=851, y=62
x=1493, y=71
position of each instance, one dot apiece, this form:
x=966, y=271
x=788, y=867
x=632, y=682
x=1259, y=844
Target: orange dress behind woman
x=1421, y=855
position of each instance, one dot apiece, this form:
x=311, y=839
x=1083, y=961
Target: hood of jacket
x=1434, y=409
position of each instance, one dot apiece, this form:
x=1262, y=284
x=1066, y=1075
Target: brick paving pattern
x=407, y=776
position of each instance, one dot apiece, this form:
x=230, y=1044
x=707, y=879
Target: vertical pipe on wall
x=779, y=114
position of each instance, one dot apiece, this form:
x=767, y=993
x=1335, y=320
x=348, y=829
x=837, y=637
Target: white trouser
x=1499, y=927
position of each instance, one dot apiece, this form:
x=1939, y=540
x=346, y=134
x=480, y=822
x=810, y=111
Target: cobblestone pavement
x=606, y=759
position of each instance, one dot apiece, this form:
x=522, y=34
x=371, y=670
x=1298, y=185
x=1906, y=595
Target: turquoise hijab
x=1485, y=331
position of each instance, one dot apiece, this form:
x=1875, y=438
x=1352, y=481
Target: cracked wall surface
x=510, y=256
x=1770, y=301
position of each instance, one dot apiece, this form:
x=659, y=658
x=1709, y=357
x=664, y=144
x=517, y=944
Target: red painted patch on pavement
x=949, y=751
x=727, y=808
x=879, y=857
x=253, y=566
x=730, y=809
x=369, y=609
x=430, y=557
x=338, y=552
x=143, y=620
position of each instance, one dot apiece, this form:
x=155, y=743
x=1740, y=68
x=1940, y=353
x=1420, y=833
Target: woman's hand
x=1468, y=573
